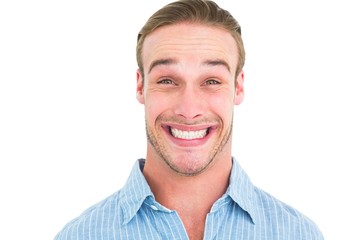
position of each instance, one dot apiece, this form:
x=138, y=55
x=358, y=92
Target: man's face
x=189, y=91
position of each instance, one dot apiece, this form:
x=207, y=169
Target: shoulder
x=94, y=221
x=280, y=216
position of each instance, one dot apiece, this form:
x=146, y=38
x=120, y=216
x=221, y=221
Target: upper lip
x=185, y=127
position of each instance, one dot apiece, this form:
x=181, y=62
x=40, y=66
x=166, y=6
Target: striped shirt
x=243, y=212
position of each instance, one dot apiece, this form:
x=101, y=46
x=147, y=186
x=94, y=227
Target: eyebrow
x=166, y=61
x=169, y=61
x=217, y=62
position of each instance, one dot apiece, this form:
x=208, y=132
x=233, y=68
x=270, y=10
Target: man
x=190, y=56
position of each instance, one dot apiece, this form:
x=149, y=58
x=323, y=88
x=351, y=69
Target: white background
x=71, y=128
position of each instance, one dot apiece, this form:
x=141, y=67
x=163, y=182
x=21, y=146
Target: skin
x=189, y=91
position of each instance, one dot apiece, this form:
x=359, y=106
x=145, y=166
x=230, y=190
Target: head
x=194, y=11
x=190, y=57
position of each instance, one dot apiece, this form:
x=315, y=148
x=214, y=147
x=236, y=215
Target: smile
x=188, y=135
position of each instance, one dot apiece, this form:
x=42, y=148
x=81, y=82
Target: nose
x=190, y=104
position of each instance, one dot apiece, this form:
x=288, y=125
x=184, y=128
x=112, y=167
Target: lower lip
x=189, y=143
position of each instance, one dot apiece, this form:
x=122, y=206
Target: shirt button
x=154, y=207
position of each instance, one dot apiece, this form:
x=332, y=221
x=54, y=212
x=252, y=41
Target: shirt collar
x=136, y=190
x=241, y=190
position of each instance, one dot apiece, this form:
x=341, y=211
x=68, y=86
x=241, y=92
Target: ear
x=139, y=87
x=239, y=88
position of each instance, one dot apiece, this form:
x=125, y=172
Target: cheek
x=223, y=109
x=154, y=107
x=223, y=106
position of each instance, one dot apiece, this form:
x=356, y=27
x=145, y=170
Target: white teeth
x=188, y=135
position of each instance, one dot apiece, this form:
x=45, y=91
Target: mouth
x=189, y=135
x=184, y=135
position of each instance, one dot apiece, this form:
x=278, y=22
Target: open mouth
x=189, y=135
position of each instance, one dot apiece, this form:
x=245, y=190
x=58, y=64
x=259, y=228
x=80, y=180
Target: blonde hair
x=196, y=11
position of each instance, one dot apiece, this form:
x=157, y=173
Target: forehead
x=190, y=41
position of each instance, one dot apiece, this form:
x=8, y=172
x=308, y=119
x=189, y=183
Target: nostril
x=190, y=105
x=189, y=116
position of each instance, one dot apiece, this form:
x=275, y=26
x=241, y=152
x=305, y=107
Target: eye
x=166, y=81
x=211, y=82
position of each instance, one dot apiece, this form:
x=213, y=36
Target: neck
x=190, y=196
x=188, y=193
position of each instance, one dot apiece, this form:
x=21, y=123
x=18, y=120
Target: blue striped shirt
x=243, y=212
